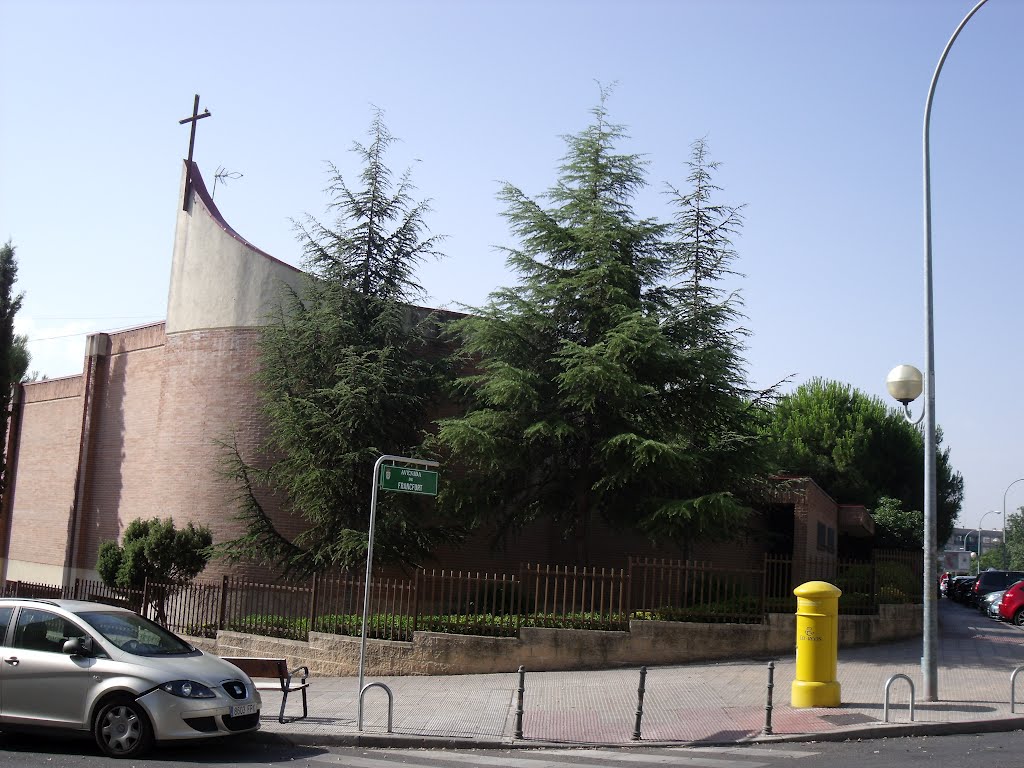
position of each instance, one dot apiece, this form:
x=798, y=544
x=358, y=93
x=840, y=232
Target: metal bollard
x=767, y=731
x=639, y=704
x=518, y=733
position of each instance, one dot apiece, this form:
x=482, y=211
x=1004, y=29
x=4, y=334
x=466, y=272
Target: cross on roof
x=195, y=118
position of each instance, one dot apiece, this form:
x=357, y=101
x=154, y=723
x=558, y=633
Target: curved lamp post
x=990, y=512
x=929, y=663
x=1006, y=555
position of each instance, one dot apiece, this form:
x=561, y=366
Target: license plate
x=243, y=709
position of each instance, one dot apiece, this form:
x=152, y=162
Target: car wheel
x=1018, y=617
x=121, y=728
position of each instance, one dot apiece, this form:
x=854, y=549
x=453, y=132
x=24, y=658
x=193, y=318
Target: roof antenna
x=223, y=174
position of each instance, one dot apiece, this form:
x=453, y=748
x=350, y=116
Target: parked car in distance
x=959, y=586
x=992, y=581
x=989, y=604
x=90, y=667
x=1011, y=606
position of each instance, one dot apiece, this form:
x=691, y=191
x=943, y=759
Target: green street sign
x=408, y=480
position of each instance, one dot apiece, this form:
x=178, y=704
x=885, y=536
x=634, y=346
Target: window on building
x=826, y=538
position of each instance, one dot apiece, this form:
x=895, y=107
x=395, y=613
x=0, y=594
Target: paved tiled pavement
x=719, y=702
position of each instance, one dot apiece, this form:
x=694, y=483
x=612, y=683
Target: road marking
x=773, y=751
x=541, y=758
x=676, y=757
x=561, y=758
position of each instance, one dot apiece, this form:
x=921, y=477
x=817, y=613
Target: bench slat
x=261, y=667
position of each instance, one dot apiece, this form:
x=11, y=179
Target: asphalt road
x=1000, y=750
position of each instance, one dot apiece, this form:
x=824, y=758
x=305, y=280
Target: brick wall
x=811, y=506
x=208, y=395
x=161, y=406
x=44, y=487
x=122, y=456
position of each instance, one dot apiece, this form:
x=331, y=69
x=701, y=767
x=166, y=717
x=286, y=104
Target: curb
x=896, y=730
x=380, y=740
x=851, y=733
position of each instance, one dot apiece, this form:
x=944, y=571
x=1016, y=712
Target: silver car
x=92, y=667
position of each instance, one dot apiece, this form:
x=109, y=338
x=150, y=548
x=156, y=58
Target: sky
x=814, y=109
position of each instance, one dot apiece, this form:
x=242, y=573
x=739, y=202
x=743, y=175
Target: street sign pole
x=369, y=560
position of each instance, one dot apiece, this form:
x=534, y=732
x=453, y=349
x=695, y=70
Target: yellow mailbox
x=817, y=645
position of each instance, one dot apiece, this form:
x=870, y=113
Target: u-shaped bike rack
x=1013, y=694
x=391, y=703
x=888, y=685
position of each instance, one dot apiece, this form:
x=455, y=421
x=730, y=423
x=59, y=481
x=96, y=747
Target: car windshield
x=135, y=634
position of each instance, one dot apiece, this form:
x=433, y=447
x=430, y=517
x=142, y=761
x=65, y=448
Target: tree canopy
x=347, y=374
x=155, y=551
x=1009, y=554
x=14, y=356
x=608, y=382
x=859, y=450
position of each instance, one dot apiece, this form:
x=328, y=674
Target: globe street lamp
x=990, y=512
x=904, y=383
x=929, y=663
x=1006, y=554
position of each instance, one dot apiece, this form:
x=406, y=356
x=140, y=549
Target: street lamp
x=905, y=383
x=1006, y=554
x=990, y=512
x=929, y=663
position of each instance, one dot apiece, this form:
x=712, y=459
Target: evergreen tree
x=20, y=359
x=14, y=357
x=859, y=450
x=1013, y=546
x=155, y=551
x=592, y=392
x=896, y=527
x=347, y=374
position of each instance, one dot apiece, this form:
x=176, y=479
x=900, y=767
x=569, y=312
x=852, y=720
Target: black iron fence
x=500, y=604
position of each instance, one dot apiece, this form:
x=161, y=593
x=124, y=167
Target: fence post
x=314, y=594
x=76, y=594
x=629, y=591
x=519, y=599
x=145, y=596
x=764, y=588
x=223, y=608
x=416, y=599
x=876, y=598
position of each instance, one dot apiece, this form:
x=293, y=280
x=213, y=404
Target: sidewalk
x=713, y=703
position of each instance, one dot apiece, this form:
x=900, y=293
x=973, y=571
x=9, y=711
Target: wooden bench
x=280, y=679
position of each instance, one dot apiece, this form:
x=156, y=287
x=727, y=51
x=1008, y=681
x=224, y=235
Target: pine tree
x=14, y=357
x=594, y=393
x=347, y=374
x=859, y=449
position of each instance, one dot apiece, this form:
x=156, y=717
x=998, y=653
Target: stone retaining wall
x=538, y=649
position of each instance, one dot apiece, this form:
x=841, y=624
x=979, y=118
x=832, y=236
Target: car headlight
x=188, y=689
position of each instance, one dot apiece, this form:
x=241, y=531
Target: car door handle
x=12, y=660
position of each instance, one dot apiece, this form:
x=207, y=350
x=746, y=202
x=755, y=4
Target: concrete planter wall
x=538, y=649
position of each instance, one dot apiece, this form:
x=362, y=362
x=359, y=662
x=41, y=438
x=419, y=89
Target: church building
x=139, y=433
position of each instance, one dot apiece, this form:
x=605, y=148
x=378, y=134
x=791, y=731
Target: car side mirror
x=79, y=646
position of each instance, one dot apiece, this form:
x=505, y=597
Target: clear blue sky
x=814, y=109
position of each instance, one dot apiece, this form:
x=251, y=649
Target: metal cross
x=196, y=117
